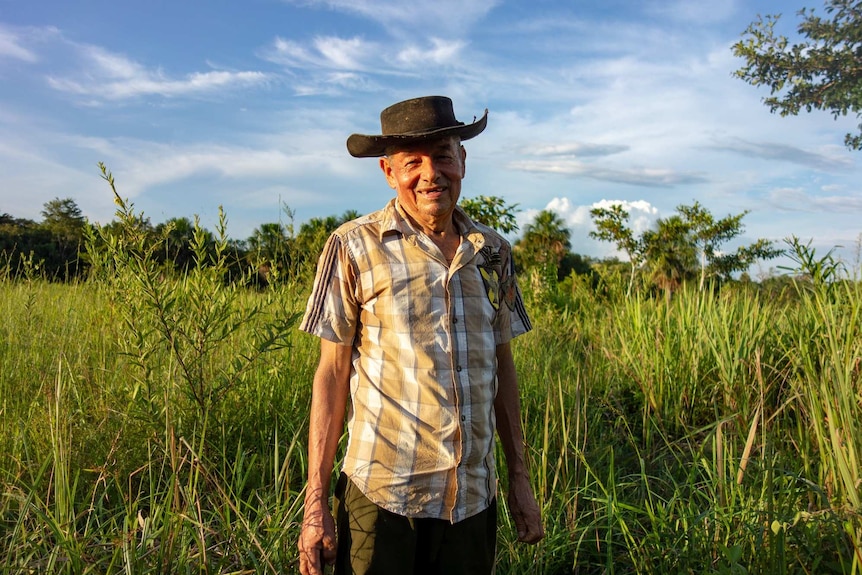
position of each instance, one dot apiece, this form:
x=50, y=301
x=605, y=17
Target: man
x=415, y=306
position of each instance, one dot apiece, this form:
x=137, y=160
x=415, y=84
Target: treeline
x=55, y=247
x=686, y=247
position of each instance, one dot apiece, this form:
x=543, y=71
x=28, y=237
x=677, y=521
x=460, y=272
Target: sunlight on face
x=426, y=177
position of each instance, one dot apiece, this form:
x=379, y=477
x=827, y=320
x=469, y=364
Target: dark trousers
x=373, y=541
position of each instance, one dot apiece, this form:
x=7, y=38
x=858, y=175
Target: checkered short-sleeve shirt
x=423, y=379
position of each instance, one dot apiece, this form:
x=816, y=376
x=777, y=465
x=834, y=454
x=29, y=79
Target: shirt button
x=458, y=369
x=463, y=418
x=454, y=320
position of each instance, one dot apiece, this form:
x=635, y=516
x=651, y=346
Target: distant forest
x=686, y=247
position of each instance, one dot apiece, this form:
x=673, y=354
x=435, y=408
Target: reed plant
x=150, y=421
x=155, y=422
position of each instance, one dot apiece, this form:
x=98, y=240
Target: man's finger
x=310, y=561
x=531, y=535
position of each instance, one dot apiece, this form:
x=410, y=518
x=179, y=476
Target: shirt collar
x=394, y=220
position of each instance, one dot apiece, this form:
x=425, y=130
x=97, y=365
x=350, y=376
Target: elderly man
x=415, y=306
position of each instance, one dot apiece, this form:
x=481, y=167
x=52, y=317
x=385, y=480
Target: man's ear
x=386, y=166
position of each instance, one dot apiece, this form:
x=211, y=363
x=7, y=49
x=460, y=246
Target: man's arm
x=317, y=542
x=522, y=503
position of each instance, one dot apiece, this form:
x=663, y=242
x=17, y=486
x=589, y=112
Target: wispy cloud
x=110, y=76
x=359, y=55
x=798, y=199
x=440, y=52
x=329, y=65
x=11, y=47
x=649, y=177
x=575, y=149
x=147, y=164
x=698, y=11
x=330, y=52
x=441, y=17
x=786, y=153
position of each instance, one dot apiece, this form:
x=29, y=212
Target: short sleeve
x=332, y=311
x=513, y=298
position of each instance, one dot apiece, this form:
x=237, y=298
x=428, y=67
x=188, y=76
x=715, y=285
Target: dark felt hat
x=416, y=120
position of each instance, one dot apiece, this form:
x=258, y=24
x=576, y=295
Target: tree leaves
x=822, y=72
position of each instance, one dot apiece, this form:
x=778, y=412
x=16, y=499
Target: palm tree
x=545, y=242
x=670, y=254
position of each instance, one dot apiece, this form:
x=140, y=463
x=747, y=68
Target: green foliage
x=612, y=226
x=821, y=72
x=176, y=329
x=313, y=235
x=177, y=236
x=674, y=437
x=142, y=431
x=544, y=243
x=53, y=244
x=684, y=245
x=670, y=253
x=820, y=271
x=153, y=422
x=493, y=211
x=702, y=435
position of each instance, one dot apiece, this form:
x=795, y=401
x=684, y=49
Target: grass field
x=156, y=424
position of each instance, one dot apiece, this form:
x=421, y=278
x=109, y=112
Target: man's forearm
x=508, y=412
x=326, y=418
x=522, y=503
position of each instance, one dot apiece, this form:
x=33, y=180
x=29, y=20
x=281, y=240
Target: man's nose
x=430, y=171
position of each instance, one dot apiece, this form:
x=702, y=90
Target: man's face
x=426, y=177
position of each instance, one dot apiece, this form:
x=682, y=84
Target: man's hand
x=525, y=510
x=317, y=542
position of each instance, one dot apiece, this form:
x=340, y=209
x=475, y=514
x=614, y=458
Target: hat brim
x=367, y=146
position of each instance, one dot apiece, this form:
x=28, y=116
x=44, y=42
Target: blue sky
x=247, y=104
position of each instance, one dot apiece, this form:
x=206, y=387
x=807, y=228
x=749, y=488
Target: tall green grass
x=155, y=423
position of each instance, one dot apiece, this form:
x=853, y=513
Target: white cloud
x=798, y=199
x=829, y=160
x=145, y=165
x=359, y=55
x=642, y=214
x=451, y=17
x=650, y=177
x=109, y=76
x=697, y=11
x=578, y=149
x=11, y=47
x=341, y=53
x=323, y=52
x=441, y=52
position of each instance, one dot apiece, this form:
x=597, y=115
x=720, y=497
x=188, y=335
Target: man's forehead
x=448, y=142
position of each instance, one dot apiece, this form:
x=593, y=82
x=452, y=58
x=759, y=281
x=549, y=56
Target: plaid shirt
x=423, y=379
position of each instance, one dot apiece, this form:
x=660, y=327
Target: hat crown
x=419, y=115
x=411, y=121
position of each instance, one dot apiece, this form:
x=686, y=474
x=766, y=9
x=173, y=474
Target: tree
x=269, y=246
x=492, y=211
x=63, y=220
x=22, y=240
x=669, y=253
x=612, y=226
x=178, y=234
x=545, y=243
x=823, y=72
x=708, y=234
x=313, y=235
x=682, y=246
